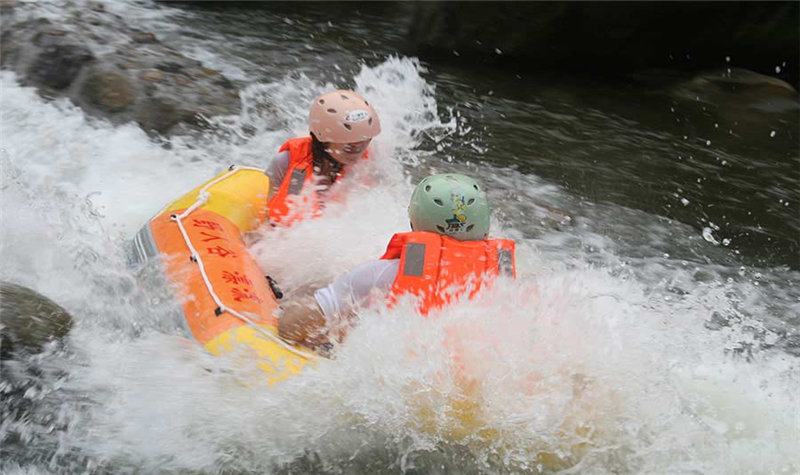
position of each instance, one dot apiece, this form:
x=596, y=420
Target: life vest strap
x=296, y=181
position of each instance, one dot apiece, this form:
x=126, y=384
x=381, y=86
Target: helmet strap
x=323, y=161
x=329, y=166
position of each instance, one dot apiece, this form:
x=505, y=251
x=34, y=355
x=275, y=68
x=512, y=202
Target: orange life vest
x=299, y=174
x=438, y=269
x=290, y=194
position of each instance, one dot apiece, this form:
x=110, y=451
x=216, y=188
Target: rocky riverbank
x=113, y=70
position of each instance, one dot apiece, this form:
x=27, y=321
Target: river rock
x=736, y=100
x=143, y=37
x=109, y=89
x=59, y=59
x=741, y=89
x=32, y=401
x=152, y=76
x=29, y=320
x=158, y=113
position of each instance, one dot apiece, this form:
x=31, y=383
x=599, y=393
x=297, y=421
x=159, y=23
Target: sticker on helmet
x=457, y=223
x=357, y=115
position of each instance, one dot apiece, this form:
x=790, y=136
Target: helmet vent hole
x=332, y=111
x=344, y=97
x=347, y=126
x=469, y=228
x=476, y=187
x=367, y=103
x=438, y=202
x=322, y=101
x=440, y=228
x=471, y=200
x=428, y=188
x=369, y=121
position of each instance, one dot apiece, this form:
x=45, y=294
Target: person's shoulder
x=296, y=141
x=277, y=168
x=280, y=161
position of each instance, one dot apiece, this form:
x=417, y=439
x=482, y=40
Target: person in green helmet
x=446, y=254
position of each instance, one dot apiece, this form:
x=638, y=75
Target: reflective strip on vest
x=504, y=265
x=296, y=182
x=415, y=259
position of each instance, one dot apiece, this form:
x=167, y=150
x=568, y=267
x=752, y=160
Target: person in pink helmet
x=341, y=125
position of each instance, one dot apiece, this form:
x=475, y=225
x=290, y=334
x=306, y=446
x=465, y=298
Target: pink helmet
x=343, y=117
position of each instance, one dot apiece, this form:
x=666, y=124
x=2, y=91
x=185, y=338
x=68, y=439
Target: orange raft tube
x=226, y=300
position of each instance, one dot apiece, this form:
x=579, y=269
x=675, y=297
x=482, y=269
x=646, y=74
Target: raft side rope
x=202, y=198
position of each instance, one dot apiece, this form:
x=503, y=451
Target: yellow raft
x=227, y=302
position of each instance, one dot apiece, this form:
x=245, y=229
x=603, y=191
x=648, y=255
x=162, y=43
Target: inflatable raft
x=226, y=300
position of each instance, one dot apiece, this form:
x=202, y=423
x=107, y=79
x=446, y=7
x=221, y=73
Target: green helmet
x=451, y=204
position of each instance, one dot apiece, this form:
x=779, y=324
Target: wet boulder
x=108, y=88
x=28, y=321
x=158, y=113
x=32, y=401
x=739, y=88
x=58, y=62
x=754, y=106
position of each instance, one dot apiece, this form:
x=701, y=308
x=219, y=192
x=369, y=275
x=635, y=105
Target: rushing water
x=658, y=334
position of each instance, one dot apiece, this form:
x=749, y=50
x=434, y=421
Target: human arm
x=276, y=171
x=331, y=311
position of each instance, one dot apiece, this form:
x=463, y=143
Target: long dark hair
x=319, y=155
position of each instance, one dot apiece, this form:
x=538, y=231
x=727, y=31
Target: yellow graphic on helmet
x=459, y=219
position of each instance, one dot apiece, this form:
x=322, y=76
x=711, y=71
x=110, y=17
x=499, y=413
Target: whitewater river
x=656, y=334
